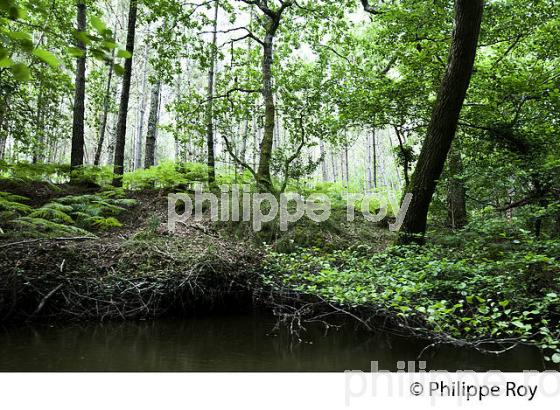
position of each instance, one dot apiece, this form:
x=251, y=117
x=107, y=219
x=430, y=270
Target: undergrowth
x=78, y=215
x=496, y=289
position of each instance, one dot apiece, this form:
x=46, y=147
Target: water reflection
x=241, y=342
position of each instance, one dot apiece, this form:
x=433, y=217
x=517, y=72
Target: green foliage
x=27, y=172
x=468, y=293
x=18, y=41
x=96, y=210
x=11, y=205
x=43, y=228
x=53, y=213
x=101, y=223
x=87, y=175
x=166, y=175
x=70, y=215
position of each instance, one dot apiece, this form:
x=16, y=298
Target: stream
x=232, y=342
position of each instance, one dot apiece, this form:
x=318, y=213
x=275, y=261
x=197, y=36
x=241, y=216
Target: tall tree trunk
x=142, y=113
x=210, y=104
x=334, y=167
x=38, y=149
x=374, y=153
x=3, y=131
x=271, y=20
x=369, y=164
x=445, y=116
x=77, y=150
x=324, y=170
x=125, y=96
x=264, y=178
x=104, y=115
x=151, y=136
x=456, y=203
x=178, y=144
x=243, y=152
x=346, y=165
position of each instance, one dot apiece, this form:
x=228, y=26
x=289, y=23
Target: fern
x=78, y=199
x=10, y=204
x=43, y=228
x=101, y=176
x=109, y=208
x=166, y=175
x=25, y=172
x=101, y=223
x=52, y=214
x=15, y=207
x=59, y=207
x=96, y=211
x=13, y=197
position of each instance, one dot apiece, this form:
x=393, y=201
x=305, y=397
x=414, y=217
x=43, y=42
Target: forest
x=451, y=108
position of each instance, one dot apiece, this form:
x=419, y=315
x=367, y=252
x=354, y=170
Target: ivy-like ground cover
x=491, y=295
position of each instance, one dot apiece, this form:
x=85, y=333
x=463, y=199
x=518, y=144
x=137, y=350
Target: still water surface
x=238, y=342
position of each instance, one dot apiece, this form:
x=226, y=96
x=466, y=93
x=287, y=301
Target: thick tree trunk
x=104, y=115
x=77, y=150
x=125, y=97
x=211, y=162
x=445, y=116
x=456, y=203
x=151, y=137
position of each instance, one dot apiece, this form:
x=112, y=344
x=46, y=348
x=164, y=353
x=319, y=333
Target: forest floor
x=140, y=269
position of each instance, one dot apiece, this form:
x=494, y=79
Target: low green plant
x=43, y=228
x=166, y=175
x=468, y=293
x=70, y=215
x=26, y=172
x=11, y=205
x=93, y=175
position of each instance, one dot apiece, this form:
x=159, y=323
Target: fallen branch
x=77, y=238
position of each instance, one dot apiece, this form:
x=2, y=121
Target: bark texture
x=211, y=161
x=125, y=97
x=77, y=150
x=104, y=115
x=445, y=116
x=151, y=137
x=456, y=203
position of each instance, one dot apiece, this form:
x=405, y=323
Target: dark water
x=243, y=342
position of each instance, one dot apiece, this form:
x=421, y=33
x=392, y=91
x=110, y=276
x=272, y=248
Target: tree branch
x=370, y=8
